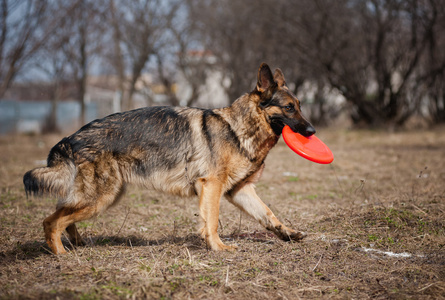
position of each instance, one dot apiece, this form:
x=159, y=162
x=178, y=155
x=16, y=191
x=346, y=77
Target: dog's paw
x=287, y=234
x=297, y=235
x=217, y=245
x=230, y=248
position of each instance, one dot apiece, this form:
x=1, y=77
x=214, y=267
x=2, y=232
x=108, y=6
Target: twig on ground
x=426, y=287
x=227, y=277
x=317, y=263
x=416, y=207
x=123, y=223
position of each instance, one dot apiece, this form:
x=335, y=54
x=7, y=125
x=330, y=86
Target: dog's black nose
x=310, y=130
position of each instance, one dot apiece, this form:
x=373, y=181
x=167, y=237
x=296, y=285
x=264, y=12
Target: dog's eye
x=289, y=108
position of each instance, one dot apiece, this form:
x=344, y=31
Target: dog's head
x=280, y=105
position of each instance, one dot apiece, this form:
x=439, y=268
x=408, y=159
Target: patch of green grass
x=421, y=224
x=369, y=223
x=293, y=178
x=84, y=224
x=172, y=268
x=205, y=278
x=27, y=218
x=8, y=196
x=103, y=241
x=373, y=238
x=144, y=267
x=209, y=280
x=312, y=197
x=270, y=284
x=402, y=218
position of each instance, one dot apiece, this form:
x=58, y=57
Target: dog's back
x=142, y=141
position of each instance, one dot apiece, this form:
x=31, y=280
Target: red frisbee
x=311, y=148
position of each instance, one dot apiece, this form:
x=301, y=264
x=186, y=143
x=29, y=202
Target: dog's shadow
x=191, y=240
x=33, y=249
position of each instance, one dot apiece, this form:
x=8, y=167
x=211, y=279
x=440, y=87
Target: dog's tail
x=57, y=178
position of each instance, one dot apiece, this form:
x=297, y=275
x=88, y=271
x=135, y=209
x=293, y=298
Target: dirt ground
x=375, y=220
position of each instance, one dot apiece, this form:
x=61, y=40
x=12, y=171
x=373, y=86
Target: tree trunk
x=118, y=59
x=51, y=123
x=82, y=80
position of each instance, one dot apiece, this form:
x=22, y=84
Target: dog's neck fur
x=257, y=137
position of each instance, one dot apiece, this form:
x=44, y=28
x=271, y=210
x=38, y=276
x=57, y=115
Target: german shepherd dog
x=178, y=150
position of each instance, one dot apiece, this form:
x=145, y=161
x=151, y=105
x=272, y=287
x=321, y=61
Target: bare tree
x=19, y=37
x=370, y=51
x=52, y=61
x=243, y=34
x=371, y=54
x=153, y=37
x=24, y=29
x=116, y=56
x=54, y=68
x=432, y=73
x=137, y=32
x=80, y=42
x=229, y=31
x=181, y=55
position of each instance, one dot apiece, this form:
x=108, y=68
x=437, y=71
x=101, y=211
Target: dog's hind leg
x=74, y=235
x=55, y=224
x=210, y=192
x=65, y=217
x=90, y=196
x=248, y=201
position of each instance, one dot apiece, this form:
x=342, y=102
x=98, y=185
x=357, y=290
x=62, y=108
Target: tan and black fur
x=181, y=151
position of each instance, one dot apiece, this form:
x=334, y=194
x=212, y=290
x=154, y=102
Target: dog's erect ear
x=265, y=78
x=278, y=77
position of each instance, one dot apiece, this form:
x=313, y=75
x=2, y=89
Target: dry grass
x=384, y=192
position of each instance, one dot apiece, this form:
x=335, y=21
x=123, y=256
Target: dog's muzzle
x=308, y=131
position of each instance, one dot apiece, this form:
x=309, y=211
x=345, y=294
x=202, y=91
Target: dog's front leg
x=247, y=200
x=209, y=198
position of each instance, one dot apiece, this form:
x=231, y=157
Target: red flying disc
x=311, y=148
